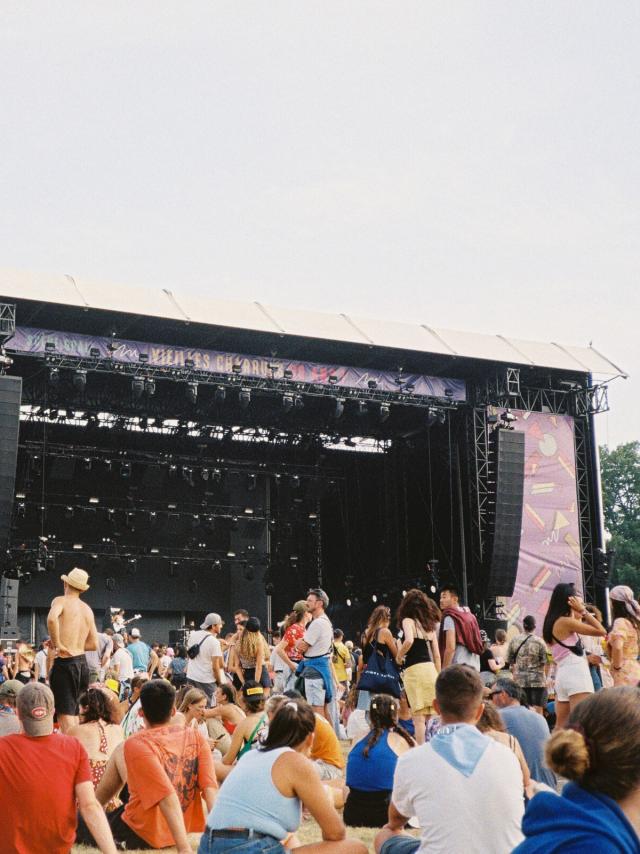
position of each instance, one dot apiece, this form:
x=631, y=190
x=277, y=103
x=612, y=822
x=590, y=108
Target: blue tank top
x=372, y=773
x=249, y=798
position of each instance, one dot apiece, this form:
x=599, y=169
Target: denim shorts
x=314, y=691
x=400, y=845
x=210, y=844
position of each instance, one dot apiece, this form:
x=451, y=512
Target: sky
x=470, y=165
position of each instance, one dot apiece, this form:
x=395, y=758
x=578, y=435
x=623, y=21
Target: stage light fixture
x=248, y=511
x=236, y=368
x=192, y=392
x=54, y=376
x=244, y=397
x=143, y=357
x=333, y=379
x=149, y=386
x=288, y=374
x=432, y=416
x=68, y=511
x=361, y=408
x=220, y=394
x=348, y=603
x=94, y=352
x=234, y=523
x=137, y=387
x=204, y=474
x=287, y=402
x=295, y=482
x=94, y=500
x=372, y=384
x=190, y=364
x=231, y=554
x=339, y=408
x=50, y=347
x=77, y=547
x=80, y=380
x=385, y=412
x=20, y=496
x=298, y=401
x=125, y=470
x=374, y=598
x=217, y=564
x=252, y=482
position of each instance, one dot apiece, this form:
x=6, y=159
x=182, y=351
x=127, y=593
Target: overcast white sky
x=473, y=165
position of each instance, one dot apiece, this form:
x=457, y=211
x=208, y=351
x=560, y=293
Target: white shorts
x=314, y=691
x=573, y=677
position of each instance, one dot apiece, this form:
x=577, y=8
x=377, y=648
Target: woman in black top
x=377, y=630
x=419, y=655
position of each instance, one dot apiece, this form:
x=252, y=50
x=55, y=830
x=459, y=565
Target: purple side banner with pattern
x=550, y=545
x=33, y=341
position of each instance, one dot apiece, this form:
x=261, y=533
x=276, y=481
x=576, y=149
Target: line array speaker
x=504, y=534
x=9, y=609
x=10, y=396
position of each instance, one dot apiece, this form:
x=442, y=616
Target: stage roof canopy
x=179, y=305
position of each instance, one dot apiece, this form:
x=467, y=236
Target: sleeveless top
x=250, y=800
x=98, y=767
x=419, y=653
x=372, y=773
x=560, y=652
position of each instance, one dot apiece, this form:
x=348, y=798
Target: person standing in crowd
x=139, y=651
x=378, y=632
x=204, y=670
x=341, y=660
x=45, y=778
x=168, y=768
x=316, y=647
x=177, y=671
x=24, y=663
x=566, y=619
x=9, y=691
x=419, y=655
x=122, y=664
x=526, y=725
x=132, y=720
x=464, y=788
x=460, y=641
x=252, y=656
x=527, y=657
x=499, y=647
x=72, y=629
x=599, y=752
x=594, y=648
x=293, y=631
x=489, y=666
x=98, y=659
x=260, y=803
x=623, y=637
x=371, y=765
x=42, y=663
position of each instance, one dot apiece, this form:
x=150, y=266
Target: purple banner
x=550, y=545
x=34, y=341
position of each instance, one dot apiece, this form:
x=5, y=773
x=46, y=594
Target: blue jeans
x=400, y=845
x=210, y=844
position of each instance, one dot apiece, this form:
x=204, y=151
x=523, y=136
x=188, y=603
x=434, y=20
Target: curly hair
x=417, y=606
x=98, y=706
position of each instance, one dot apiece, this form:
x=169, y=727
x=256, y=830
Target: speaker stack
x=10, y=397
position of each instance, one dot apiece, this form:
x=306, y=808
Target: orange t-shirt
x=325, y=744
x=160, y=761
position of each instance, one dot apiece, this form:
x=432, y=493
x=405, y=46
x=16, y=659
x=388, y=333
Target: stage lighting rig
x=361, y=408
x=339, y=407
x=80, y=380
x=54, y=375
x=137, y=387
x=287, y=402
x=385, y=412
x=220, y=394
x=149, y=386
x=191, y=392
x=244, y=397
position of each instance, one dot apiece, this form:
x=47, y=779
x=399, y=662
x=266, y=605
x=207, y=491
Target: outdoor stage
x=198, y=455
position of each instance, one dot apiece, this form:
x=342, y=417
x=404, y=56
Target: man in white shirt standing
x=204, y=671
x=464, y=788
x=317, y=647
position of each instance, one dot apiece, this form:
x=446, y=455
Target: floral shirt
x=293, y=634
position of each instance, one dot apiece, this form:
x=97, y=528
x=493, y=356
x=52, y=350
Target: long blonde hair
x=250, y=645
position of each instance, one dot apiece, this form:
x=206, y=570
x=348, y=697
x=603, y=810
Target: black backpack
x=194, y=649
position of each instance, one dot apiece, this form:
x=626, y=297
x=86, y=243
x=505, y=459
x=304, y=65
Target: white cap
x=135, y=633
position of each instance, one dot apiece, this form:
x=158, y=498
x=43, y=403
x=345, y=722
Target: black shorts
x=536, y=696
x=68, y=678
x=250, y=675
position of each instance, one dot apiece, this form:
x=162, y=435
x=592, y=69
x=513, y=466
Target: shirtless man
x=72, y=630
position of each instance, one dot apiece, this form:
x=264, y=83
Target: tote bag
x=380, y=674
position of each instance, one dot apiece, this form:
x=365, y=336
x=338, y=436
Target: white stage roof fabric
x=178, y=305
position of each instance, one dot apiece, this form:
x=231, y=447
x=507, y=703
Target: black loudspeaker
x=504, y=539
x=9, y=609
x=10, y=397
x=177, y=636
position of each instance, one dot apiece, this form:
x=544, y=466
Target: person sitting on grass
x=167, y=768
x=464, y=788
x=247, y=734
x=371, y=765
x=325, y=750
x=259, y=806
x=226, y=709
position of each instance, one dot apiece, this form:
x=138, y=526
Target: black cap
x=252, y=624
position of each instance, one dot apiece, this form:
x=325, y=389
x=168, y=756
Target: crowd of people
x=422, y=729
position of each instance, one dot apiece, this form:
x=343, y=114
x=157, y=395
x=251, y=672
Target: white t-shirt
x=200, y=668
x=41, y=661
x=319, y=636
x=475, y=815
x=357, y=725
x=277, y=664
x=462, y=654
x=125, y=663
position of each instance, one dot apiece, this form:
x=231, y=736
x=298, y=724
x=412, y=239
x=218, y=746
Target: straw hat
x=77, y=578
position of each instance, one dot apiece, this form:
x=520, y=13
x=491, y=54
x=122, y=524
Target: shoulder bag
x=380, y=674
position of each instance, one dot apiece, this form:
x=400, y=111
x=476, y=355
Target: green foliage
x=620, y=471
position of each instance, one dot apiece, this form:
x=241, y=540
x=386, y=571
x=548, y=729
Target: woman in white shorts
x=567, y=619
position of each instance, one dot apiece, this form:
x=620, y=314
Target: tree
x=620, y=471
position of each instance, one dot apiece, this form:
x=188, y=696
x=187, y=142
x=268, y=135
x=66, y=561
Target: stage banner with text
x=34, y=341
x=550, y=545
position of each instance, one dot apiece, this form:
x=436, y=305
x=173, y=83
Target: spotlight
x=231, y=554
x=244, y=397
x=137, y=387
x=236, y=368
x=287, y=402
x=333, y=379
x=298, y=401
x=125, y=470
x=508, y=416
x=295, y=482
x=94, y=352
x=50, y=347
x=288, y=374
x=361, y=408
x=348, y=603
x=252, y=482
x=372, y=384
x=432, y=416
x=220, y=394
x=68, y=511
x=189, y=363
x=54, y=376
x=143, y=357
x=204, y=474
x=234, y=523
x=339, y=410
x=374, y=598
x=150, y=386
x=80, y=380
x=77, y=547
x=192, y=392
x=94, y=500
x=385, y=412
